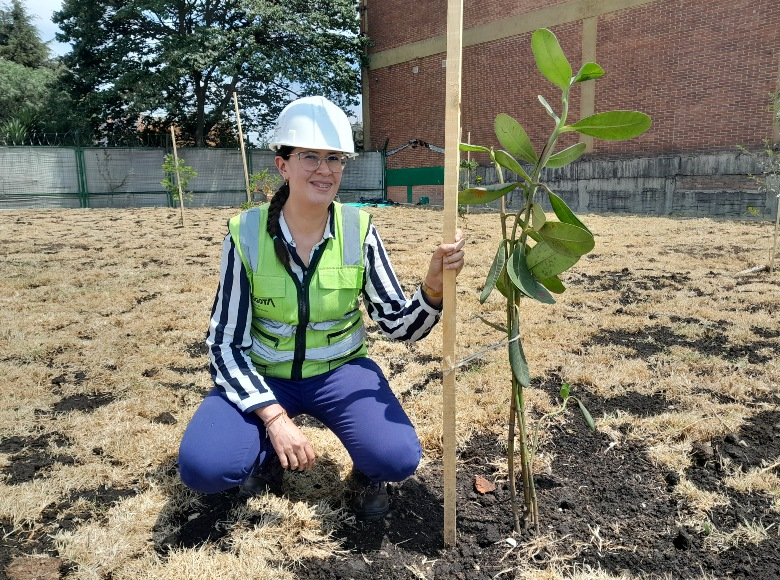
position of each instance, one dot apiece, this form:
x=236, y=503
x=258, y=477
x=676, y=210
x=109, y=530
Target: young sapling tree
x=171, y=170
x=534, y=250
x=264, y=183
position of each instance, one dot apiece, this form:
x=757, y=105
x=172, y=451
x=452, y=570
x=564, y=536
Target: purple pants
x=221, y=445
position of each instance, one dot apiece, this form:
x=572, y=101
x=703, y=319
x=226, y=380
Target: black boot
x=264, y=478
x=372, y=502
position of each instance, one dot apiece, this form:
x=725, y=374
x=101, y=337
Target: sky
x=40, y=12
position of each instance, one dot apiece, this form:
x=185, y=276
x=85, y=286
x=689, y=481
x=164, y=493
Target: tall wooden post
x=178, y=176
x=451, y=175
x=243, y=152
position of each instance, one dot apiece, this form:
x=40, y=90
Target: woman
x=287, y=336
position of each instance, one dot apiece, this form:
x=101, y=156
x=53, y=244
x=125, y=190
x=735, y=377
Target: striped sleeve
x=399, y=318
x=228, y=337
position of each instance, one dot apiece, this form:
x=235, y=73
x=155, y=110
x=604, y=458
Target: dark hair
x=275, y=209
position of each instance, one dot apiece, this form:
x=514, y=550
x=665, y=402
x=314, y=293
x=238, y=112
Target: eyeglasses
x=311, y=162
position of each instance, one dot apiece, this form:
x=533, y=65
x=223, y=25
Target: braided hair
x=275, y=210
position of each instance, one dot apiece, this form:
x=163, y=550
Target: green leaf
x=495, y=271
x=514, y=139
x=563, y=212
x=474, y=148
x=504, y=159
x=517, y=358
x=519, y=273
x=566, y=156
x=612, y=125
x=567, y=239
x=538, y=218
x=550, y=60
x=541, y=294
x=503, y=283
x=523, y=280
x=544, y=262
x=553, y=284
x=588, y=71
x=485, y=194
x=548, y=108
x=492, y=324
x=565, y=391
x=586, y=415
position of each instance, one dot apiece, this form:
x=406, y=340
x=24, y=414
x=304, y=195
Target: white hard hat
x=313, y=122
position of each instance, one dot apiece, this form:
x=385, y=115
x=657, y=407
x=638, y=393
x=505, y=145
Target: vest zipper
x=267, y=336
x=304, y=312
x=333, y=335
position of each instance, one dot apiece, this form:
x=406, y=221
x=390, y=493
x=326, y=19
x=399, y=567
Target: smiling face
x=318, y=187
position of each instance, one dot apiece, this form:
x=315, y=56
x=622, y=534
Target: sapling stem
x=529, y=490
x=511, y=458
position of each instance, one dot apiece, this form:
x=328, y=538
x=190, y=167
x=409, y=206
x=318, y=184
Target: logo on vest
x=264, y=301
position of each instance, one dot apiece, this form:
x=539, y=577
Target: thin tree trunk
x=200, y=110
x=529, y=490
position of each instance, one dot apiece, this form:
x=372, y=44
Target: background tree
x=31, y=99
x=19, y=40
x=178, y=61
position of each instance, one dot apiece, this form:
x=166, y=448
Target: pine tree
x=19, y=40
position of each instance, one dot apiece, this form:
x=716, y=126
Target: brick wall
x=398, y=22
x=703, y=70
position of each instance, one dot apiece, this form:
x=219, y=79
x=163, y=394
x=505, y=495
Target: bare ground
x=102, y=364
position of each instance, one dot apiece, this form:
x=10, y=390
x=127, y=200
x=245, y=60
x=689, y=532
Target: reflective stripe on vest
x=322, y=353
x=353, y=245
x=325, y=309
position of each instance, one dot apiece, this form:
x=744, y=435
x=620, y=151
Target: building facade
x=704, y=70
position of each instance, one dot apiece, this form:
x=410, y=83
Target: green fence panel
x=412, y=176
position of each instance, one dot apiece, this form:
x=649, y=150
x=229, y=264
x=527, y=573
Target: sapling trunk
x=529, y=490
x=511, y=461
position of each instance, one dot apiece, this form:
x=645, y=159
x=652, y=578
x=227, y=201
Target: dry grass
x=698, y=502
x=746, y=533
x=117, y=302
x=764, y=480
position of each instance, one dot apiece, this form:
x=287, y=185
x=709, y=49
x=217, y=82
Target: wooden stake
x=774, y=240
x=451, y=177
x=178, y=178
x=243, y=152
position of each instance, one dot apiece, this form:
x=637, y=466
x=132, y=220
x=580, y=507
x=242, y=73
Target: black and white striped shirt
x=229, y=339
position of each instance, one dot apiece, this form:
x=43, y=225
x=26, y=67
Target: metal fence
x=102, y=177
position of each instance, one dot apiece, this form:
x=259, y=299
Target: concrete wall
x=706, y=184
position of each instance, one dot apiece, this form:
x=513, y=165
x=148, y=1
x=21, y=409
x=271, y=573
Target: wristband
x=274, y=418
x=430, y=291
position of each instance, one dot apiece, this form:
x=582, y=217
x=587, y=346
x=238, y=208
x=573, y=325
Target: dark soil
x=615, y=508
x=602, y=505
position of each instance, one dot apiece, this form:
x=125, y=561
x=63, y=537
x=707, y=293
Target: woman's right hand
x=291, y=445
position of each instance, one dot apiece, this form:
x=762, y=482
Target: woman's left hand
x=445, y=257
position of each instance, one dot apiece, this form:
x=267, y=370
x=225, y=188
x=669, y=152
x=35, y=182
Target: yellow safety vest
x=302, y=329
